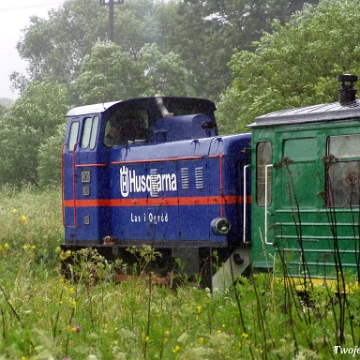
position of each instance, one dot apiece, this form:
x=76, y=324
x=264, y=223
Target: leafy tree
x=205, y=32
x=109, y=74
x=6, y=102
x=3, y=110
x=296, y=65
x=30, y=122
x=202, y=34
x=163, y=73
x=49, y=156
x=59, y=44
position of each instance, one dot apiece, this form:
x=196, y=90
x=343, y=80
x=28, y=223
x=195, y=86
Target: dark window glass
x=94, y=132
x=86, y=132
x=343, y=170
x=74, y=132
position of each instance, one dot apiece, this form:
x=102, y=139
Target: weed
x=45, y=316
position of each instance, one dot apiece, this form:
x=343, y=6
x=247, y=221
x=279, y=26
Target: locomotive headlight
x=220, y=226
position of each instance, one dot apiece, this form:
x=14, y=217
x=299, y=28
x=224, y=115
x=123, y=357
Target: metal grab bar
x=74, y=182
x=73, y=166
x=245, y=203
x=266, y=205
x=63, y=186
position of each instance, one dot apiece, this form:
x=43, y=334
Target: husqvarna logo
x=153, y=183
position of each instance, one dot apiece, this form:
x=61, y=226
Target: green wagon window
x=263, y=158
x=303, y=149
x=343, y=171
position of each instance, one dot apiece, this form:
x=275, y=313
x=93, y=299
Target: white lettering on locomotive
x=130, y=182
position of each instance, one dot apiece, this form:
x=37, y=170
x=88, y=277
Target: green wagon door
x=298, y=218
x=316, y=217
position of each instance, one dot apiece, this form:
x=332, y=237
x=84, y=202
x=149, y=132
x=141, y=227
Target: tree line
x=249, y=56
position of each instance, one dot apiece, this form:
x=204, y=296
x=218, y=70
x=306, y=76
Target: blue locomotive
x=154, y=171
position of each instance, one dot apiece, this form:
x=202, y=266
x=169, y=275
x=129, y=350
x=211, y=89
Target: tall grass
x=45, y=316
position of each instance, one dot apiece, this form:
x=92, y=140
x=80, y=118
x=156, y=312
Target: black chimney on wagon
x=347, y=93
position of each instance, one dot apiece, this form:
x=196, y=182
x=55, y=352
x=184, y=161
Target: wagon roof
x=309, y=114
x=102, y=107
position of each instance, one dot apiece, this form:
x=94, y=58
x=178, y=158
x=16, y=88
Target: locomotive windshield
x=126, y=127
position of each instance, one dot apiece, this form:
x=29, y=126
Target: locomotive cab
x=153, y=171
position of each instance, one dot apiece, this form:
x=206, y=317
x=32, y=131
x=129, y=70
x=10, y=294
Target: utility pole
x=111, y=15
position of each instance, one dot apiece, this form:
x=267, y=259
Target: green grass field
x=45, y=316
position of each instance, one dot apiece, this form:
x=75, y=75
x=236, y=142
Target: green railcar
x=305, y=188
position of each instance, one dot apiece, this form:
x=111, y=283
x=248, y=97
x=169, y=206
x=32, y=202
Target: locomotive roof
x=91, y=109
x=102, y=107
x=309, y=114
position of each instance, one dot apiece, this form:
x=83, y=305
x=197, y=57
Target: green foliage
x=31, y=220
x=197, y=36
x=49, y=158
x=44, y=315
x=58, y=45
x=109, y=74
x=6, y=103
x=297, y=65
x=164, y=73
x=29, y=126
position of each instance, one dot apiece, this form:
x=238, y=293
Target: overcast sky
x=14, y=16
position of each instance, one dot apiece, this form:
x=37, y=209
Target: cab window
x=89, y=133
x=74, y=132
x=126, y=129
x=86, y=132
x=94, y=132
